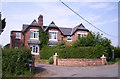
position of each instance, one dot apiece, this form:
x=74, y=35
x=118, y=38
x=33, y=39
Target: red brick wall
x=79, y=62
x=27, y=36
x=16, y=42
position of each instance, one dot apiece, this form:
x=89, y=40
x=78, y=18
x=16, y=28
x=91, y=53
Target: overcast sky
x=103, y=15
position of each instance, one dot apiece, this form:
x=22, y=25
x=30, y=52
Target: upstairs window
x=53, y=35
x=82, y=35
x=34, y=34
x=69, y=38
x=18, y=36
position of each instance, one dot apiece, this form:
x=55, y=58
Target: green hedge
x=72, y=52
x=15, y=61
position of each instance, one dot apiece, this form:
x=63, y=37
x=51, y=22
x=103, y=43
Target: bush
x=71, y=52
x=51, y=61
x=15, y=61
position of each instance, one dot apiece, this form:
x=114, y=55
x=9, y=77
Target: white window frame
x=56, y=36
x=82, y=34
x=17, y=33
x=69, y=37
x=33, y=34
x=35, y=53
x=16, y=47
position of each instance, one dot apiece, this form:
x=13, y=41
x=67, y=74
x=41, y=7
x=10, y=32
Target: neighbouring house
x=29, y=35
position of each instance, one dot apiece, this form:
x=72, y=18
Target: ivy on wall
x=43, y=37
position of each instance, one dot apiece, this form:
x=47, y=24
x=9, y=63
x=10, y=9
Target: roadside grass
x=44, y=61
x=113, y=61
x=26, y=74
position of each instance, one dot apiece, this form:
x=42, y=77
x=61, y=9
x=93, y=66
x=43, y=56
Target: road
x=89, y=71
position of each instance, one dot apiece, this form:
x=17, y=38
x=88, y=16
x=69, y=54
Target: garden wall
x=79, y=62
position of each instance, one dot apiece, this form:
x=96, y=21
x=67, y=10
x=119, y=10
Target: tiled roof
x=25, y=26
x=34, y=22
x=33, y=41
x=51, y=25
x=65, y=31
x=79, y=27
x=53, y=43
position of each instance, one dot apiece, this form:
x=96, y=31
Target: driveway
x=89, y=71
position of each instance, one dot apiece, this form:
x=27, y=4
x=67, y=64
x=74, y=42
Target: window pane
x=33, y=49
x=18, y=35
x=36, y=35
x=36, y=50
x=69, y=38
x=52, y=35
x=31, y=34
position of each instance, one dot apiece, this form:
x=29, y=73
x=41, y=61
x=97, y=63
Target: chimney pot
x=40, y=20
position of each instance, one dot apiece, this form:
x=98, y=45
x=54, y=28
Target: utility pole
x=113, y=56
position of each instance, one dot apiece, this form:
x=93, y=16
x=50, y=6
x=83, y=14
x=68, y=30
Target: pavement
x=47, y=70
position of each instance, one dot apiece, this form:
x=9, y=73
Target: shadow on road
x=39, y=70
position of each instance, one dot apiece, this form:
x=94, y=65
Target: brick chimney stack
x=40, y=20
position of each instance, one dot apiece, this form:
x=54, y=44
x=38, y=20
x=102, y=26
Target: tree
x=93, y=39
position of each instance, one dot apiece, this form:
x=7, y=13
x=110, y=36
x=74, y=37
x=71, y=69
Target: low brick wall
x=79, y=62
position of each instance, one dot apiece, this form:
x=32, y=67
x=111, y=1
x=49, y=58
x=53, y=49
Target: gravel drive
x=89, y=71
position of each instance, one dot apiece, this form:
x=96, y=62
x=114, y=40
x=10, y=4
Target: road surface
x=89, y=71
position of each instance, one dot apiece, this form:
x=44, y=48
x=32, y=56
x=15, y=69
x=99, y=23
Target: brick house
x=28, y=36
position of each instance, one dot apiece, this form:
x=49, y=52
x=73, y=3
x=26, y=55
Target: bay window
x=34, y=49
x=34, y=34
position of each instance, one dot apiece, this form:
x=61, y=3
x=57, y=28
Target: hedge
x=72, y=52
x=15, y=61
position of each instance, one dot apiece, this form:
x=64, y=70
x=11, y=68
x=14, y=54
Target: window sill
x=34, y=38
x=35, y=53
x=17, y=38
x=53, y=40
x=69, y=40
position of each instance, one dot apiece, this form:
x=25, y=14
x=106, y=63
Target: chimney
x=40, y=20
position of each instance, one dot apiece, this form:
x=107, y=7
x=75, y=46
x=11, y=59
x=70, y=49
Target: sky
x=104, y=15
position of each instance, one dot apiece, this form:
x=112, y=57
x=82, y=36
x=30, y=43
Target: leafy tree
x=92, y=39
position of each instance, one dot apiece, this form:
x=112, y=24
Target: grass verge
x=44, y=61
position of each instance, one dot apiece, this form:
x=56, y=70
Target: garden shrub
x=51, y=61
x=71, y=52
x=15, y=61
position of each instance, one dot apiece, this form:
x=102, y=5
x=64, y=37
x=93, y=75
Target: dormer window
x=34, y=34
x=18, y=36
x=69, y=38
x=82, y=35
